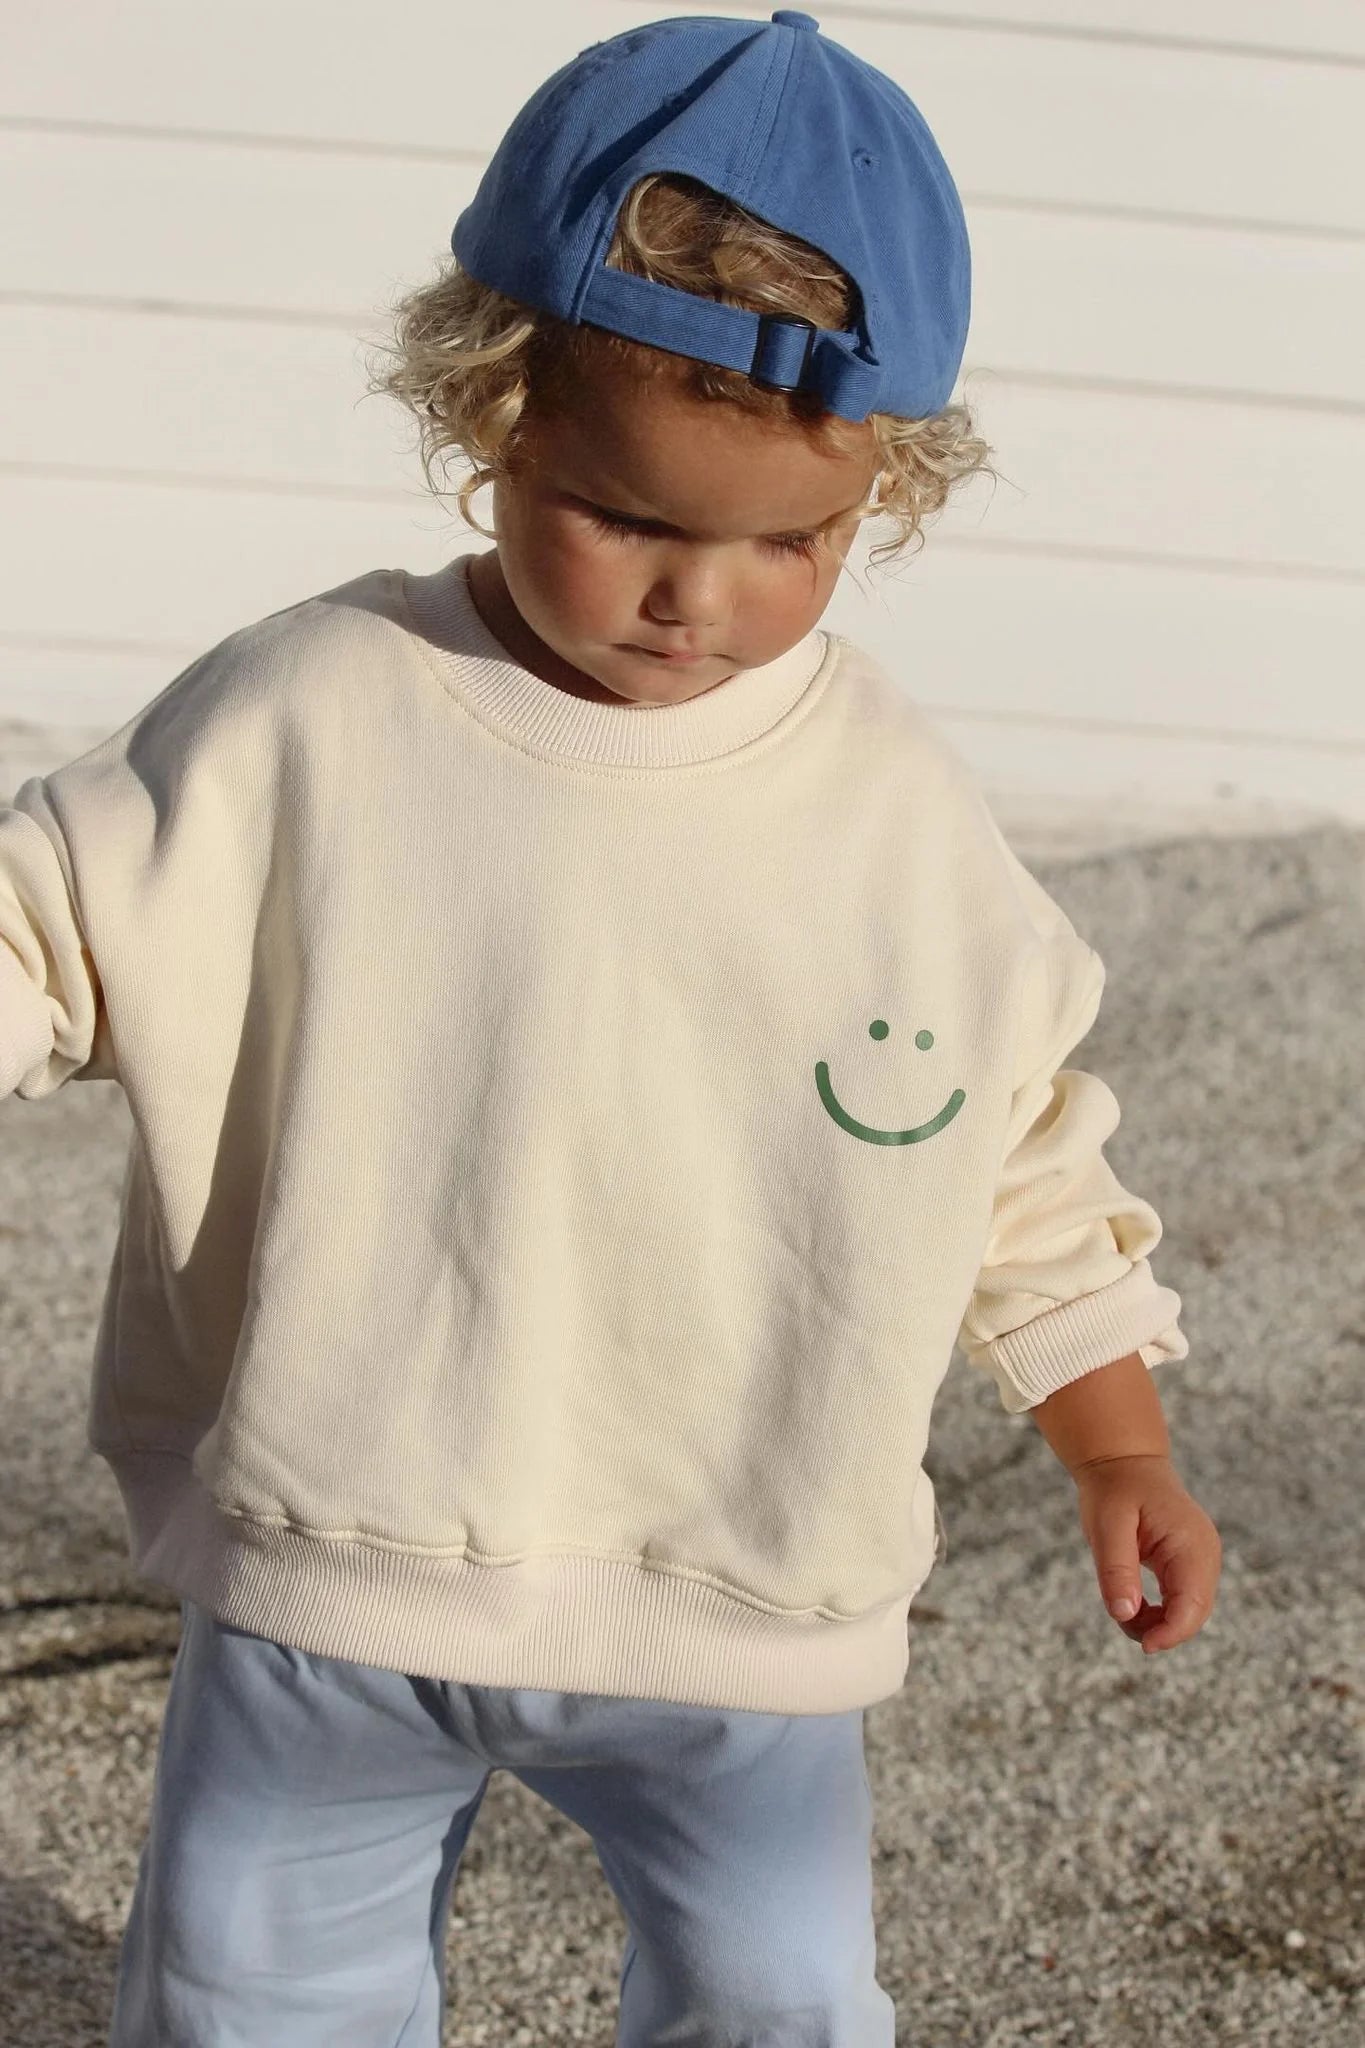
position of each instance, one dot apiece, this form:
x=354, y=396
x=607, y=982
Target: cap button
x=789, y=18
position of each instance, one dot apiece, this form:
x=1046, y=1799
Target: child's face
x=578, y=600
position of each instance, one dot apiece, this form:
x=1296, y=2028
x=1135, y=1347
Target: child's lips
x=665, y=654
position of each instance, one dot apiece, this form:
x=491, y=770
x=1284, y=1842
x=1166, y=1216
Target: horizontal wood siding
x=199, y=251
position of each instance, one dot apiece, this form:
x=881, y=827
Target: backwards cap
x=791, y=126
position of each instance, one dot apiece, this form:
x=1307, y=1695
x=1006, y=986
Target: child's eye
x=609, y=524
x=640, y=529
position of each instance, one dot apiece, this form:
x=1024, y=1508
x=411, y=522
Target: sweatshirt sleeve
x=51, y=1013
x=1065, y=1283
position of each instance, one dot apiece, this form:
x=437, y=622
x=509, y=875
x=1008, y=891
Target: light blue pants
x=309, y=1815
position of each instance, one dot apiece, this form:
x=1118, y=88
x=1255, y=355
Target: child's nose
x=690, y=596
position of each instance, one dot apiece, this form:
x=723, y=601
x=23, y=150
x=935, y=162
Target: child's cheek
x=568, y=583
x=600, y=592
x=788, y=603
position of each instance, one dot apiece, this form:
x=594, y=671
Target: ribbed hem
x=563, y=1623
x=1132, y=1313
x=477, y=669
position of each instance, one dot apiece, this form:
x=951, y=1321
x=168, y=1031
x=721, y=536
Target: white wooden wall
x=206, y=210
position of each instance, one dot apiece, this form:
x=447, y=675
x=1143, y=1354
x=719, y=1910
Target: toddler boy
x=591, y=1056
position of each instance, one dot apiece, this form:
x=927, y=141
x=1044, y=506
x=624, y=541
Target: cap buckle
x=782, y=351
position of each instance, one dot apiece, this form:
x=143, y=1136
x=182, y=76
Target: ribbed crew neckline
x=501, y=693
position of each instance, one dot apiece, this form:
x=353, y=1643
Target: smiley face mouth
x=869, y=1131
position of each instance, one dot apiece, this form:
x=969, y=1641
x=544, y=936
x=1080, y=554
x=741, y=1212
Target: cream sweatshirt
x=569, y=1140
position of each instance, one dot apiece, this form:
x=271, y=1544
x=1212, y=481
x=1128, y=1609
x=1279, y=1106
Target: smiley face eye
x=880, y=1028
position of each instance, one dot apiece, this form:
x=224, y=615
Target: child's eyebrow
x=664, y=526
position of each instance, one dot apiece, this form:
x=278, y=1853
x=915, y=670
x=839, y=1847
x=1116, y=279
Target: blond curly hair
x=468, y=362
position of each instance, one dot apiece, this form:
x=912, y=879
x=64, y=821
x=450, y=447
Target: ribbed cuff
x=1133, y=1313
x=26, y=1037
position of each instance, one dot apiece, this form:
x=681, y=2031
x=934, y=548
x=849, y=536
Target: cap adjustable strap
x=786, y=350
x=794, y=354
x=782, y=350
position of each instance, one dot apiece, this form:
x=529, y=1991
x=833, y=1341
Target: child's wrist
x=1104, y=1458
x=1110, y=1412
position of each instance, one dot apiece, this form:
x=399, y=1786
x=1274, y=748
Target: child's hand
x=1135, y=1511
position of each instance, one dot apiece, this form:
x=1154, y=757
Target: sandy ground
x=1075, y=1844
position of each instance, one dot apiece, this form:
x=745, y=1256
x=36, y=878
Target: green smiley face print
x=923, y=1039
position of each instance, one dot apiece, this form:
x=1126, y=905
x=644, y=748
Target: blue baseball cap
x=792, y=127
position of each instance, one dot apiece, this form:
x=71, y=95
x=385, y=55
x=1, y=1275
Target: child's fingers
x=1129, y=1521
x=1187, y=1589
x=1113, y=1534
